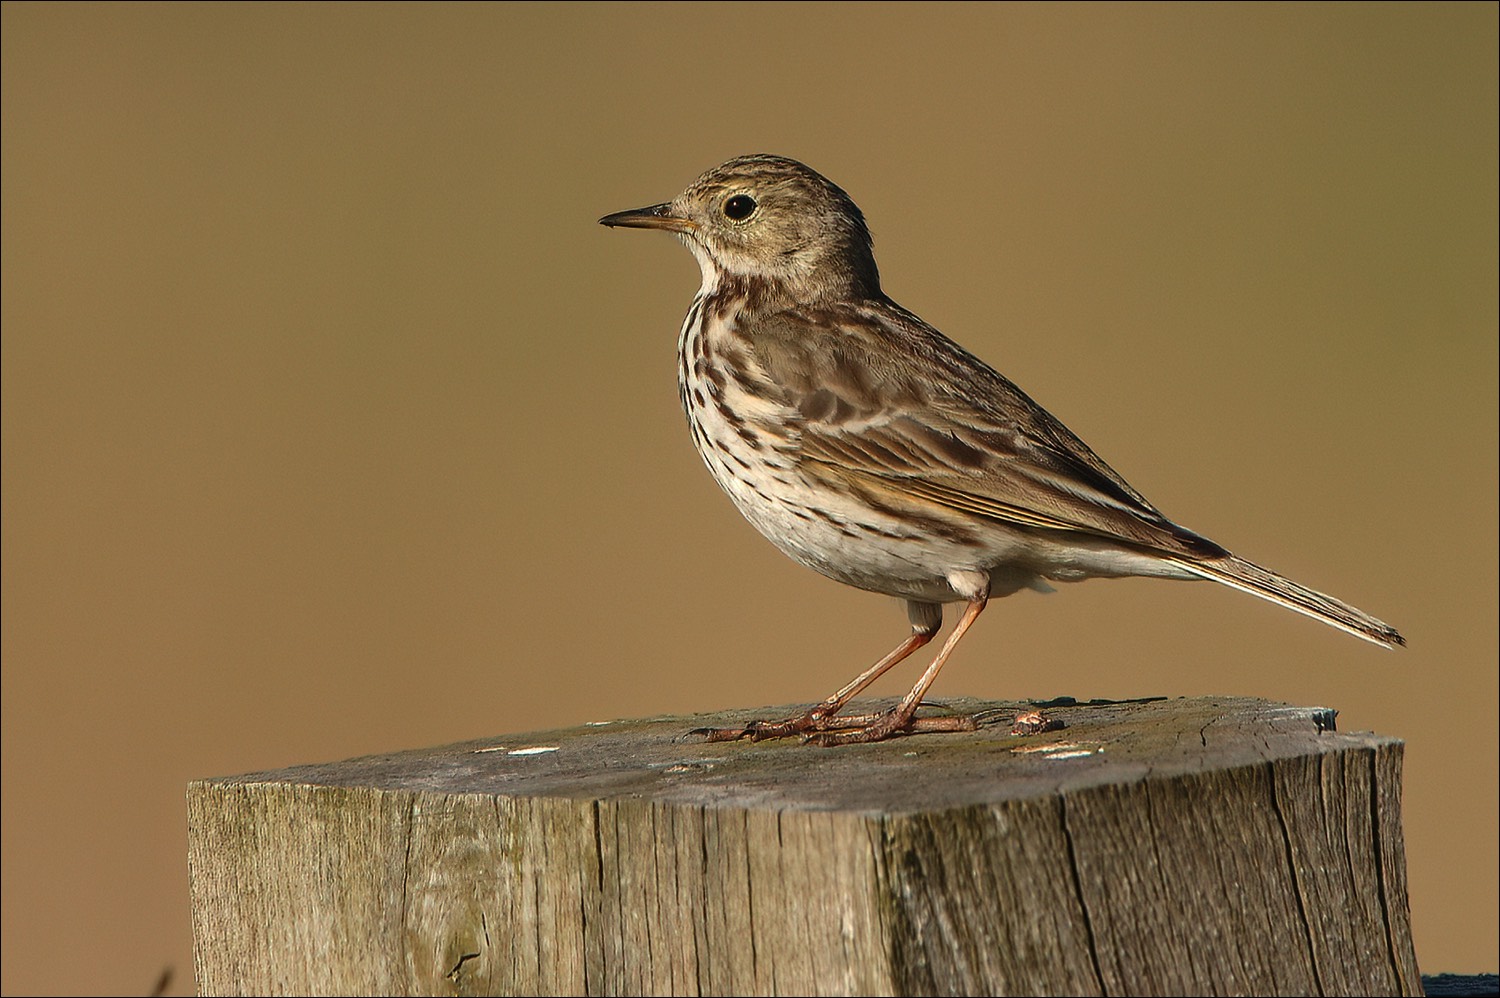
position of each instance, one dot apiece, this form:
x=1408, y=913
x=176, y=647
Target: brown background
x=333, y=424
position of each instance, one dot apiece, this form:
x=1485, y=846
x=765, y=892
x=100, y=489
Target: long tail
x=1251, y=578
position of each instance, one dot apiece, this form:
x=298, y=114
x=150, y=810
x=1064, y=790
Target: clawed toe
x=758, y=731
x=818, y=727
x=717, y=734
x=890, y=725
x=754, y=730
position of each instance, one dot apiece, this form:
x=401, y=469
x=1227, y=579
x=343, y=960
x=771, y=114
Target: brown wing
x=887, y=402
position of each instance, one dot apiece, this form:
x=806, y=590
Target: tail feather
x=1251, y=578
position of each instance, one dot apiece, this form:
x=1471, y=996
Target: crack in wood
x=1083, y=901
x=1380, y=884
x=1298, y=891
x=457, y=971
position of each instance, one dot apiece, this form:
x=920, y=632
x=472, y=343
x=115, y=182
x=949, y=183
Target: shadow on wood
x=1190, y=846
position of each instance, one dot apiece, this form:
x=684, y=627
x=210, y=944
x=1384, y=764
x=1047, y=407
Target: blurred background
x=333, y=423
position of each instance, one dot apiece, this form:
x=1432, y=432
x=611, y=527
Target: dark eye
x=739, y=207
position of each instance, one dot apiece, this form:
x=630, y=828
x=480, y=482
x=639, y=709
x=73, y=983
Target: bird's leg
x=901, y=719
x=926, y=618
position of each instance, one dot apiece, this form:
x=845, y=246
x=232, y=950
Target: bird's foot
x=888, y=724
x=812, y=720
x=820, y=726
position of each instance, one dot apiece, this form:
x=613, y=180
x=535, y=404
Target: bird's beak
x=658, y=216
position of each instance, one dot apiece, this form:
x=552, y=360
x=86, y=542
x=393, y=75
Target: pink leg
x=926, y=619
x=901, y=719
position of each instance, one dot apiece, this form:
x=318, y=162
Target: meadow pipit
x=870, y=447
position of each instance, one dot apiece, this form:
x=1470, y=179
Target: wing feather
x=883, y=398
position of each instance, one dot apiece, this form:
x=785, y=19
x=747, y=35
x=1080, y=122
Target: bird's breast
x=748, y=436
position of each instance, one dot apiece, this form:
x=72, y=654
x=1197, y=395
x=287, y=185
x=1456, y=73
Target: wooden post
x=1192, y=846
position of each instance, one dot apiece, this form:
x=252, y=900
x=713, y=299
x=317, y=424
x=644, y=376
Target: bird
x=871, y=448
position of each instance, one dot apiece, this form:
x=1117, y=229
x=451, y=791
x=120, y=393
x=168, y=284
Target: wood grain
x=1189, y=846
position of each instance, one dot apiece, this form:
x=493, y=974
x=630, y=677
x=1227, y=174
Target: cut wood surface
x=1188, y=846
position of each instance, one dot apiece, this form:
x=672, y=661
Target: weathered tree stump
x=1202, y=846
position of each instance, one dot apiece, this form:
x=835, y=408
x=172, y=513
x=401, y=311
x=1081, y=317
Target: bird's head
x=773, y=219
